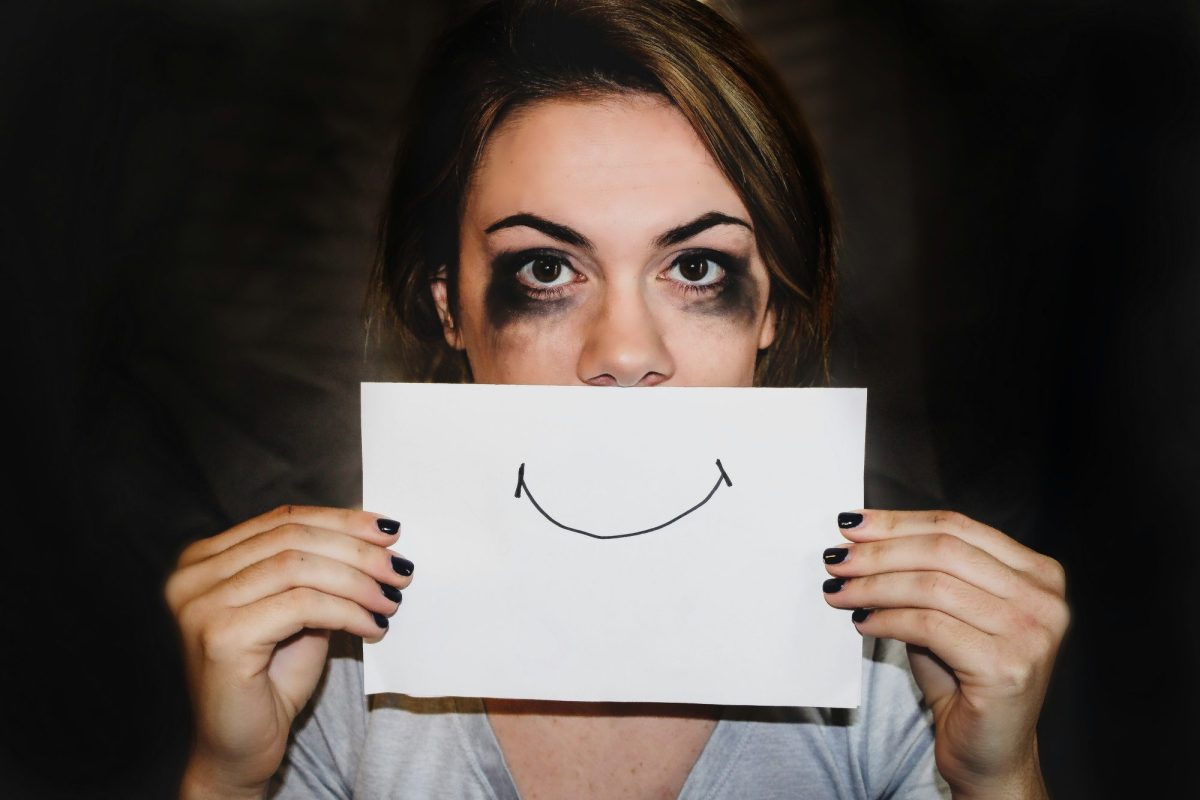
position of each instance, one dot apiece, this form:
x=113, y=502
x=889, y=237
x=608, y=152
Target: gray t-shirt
x=394, y=746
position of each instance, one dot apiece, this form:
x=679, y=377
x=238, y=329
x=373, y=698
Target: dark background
x=187, y=200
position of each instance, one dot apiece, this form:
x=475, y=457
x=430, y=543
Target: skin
x=615, y=305
x=621, y=173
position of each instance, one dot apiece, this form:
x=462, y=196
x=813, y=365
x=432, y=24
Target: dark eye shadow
x=738, y=296
x=507, y=300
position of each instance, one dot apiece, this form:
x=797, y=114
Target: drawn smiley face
x=522, y=486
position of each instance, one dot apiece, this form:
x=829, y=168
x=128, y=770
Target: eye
x=696, y=269
x=545, y=272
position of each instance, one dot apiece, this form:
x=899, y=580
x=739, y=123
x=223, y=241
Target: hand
x=983, y=617
x=255, y=606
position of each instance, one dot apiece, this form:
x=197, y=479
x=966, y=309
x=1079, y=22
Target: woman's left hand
x=983, y=617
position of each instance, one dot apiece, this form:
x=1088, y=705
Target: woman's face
x=602, y=245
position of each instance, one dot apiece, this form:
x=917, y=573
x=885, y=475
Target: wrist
x=203, y=781
x=1022, y=783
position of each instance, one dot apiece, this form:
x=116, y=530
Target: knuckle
x=1056, y=618
x=191, y=554
x=1045, y=641
x=1037, y=617
x=240, y=580
x=189, y=618
x=216, y=640
x=173, y=592
x=930, y=584
x=862, y=554
x=951, y=520
x=366, y=555
x=1025, y=623
x=1062, y=619
x=1015, y=583
x=306, y=599
x=1015, y=673
x=945, y=546
x=290, y=560
x=934, y=584
x=290, y=534
x=291, y=511
x=281, y=511
x=1054, y=574
x=930, y=624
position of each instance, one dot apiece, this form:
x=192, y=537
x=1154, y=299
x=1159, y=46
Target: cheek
x=511, y=338
x=711, y=350
x=715, y=343
x=537, y=348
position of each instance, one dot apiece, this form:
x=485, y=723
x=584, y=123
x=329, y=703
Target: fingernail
x=402, y=565
x=833, y=585
x=860, y=615
x=380, y=619
x=849, y=519
x=391, y=593
x=836, y=555
x=388, y=526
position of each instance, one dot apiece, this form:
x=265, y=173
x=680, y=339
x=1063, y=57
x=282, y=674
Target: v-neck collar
x=483, y=750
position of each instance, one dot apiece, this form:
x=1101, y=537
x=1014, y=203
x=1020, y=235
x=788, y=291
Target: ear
x=766, y=334
x=441, y=298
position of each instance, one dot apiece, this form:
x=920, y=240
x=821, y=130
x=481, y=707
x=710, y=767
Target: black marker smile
x=521, y=485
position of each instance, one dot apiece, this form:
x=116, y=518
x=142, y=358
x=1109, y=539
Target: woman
x=611, y=193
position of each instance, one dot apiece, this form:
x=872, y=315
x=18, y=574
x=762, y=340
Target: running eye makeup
x=719, y=282
x=539, y=282
x=528, y=283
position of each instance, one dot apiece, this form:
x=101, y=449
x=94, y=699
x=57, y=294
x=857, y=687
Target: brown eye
x=695, y=269
x=545, y=270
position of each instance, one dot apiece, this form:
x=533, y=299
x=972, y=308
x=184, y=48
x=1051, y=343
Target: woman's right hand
x=255, y=606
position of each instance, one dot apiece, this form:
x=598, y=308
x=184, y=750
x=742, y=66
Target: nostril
x=652, y=379
x=608, y=379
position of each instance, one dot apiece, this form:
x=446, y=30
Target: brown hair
x=511, y=53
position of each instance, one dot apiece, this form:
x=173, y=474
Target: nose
x=624, y=346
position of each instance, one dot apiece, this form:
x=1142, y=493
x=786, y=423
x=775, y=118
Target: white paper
x=723, y=605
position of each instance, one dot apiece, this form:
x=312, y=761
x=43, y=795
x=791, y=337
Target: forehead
x=632, y=159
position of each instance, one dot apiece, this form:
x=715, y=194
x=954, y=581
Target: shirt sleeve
x=897, y=758
x=326, y=739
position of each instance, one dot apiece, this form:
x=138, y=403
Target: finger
x=940, y=552
x=362, y=524
x=879, y=524
x=292, y=569
x=930, y=590
x=376, y=561
x=965, y=649
x=260, y=626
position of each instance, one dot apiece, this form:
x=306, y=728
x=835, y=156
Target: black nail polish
x=391, y=593
x=860, y=615
x=380, y=619
x=833, y=585
x=835, y=555
x=402, y=565
x=388, y=526
x=849, y=519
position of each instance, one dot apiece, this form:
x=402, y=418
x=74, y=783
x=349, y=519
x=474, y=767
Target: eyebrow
x=573, y=237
